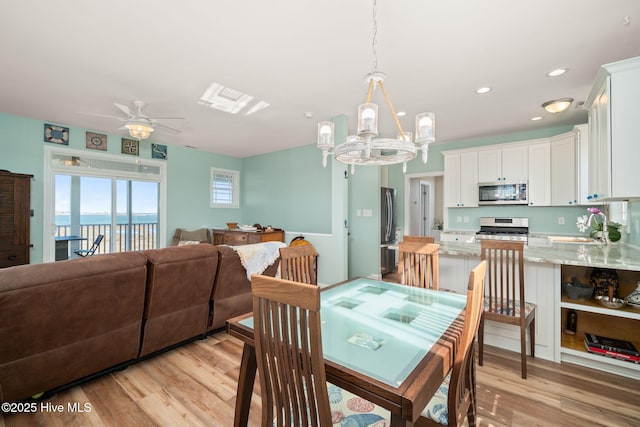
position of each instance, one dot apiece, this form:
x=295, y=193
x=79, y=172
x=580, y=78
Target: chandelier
x=365, y=148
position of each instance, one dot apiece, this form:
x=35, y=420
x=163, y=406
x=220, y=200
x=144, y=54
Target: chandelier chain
x=374, y=43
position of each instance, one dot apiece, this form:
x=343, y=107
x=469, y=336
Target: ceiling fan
x=137, y=123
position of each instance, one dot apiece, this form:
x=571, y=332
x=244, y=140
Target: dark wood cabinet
x=15, y=218
x=239, y=237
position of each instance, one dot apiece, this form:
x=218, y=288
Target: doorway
x=423, y=210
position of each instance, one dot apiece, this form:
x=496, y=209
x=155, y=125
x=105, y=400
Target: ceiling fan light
x=139, y=130
x=557, y=105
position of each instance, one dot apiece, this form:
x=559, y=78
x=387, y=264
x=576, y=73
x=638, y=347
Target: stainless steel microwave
x=503, y=193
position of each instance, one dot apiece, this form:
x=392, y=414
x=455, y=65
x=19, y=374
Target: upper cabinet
x=507, y=164
x=461, y=179
x=539, y=158
x=564, y=170
x=614, y=128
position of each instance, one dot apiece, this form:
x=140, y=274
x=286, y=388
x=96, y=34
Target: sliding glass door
x=93, y=195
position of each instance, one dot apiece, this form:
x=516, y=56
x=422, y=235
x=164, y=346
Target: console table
x=239, y=237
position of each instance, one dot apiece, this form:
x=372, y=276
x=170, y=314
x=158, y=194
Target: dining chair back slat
x=299, y=264
x=418, y=264
x=289, y=353
x=418, y=239
x=461, y=385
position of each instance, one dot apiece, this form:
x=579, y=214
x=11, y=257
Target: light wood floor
x=195, y=385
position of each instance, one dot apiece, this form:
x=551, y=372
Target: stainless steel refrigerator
x=387, y=229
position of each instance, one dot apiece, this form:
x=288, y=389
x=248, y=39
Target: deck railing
x=143, y=236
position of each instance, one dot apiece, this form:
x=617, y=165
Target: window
x=225, y=186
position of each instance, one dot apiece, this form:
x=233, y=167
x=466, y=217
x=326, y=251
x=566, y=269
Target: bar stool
x=505, y=301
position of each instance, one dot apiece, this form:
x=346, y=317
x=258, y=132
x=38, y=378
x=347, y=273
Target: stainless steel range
x=512, y=229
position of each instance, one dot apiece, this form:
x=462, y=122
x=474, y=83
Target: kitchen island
x=546, y=267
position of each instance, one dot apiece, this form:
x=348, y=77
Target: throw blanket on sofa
x=257, y=257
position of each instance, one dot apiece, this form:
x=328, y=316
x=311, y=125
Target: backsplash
x=543, y=220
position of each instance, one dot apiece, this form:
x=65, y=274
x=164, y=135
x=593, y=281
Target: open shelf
x=592, y=317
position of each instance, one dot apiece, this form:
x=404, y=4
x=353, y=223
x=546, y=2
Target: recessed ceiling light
x=556, y=72
x=401, y=113
x=536, y=118
x=482, y=90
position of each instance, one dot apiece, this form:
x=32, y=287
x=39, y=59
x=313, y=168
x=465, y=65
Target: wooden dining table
x=388, y=343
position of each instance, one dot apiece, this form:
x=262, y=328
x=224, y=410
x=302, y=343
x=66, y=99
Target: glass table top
x=383, y=329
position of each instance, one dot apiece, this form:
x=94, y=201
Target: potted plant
x=600, y=229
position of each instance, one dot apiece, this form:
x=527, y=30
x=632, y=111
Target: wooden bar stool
x=505, y=301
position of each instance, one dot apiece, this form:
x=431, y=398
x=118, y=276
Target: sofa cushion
x=179, y=286
x=62, y=321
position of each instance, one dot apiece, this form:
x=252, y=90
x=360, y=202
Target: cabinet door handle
x=12, y=257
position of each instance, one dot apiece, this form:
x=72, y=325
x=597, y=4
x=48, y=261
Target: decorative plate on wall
x=96, y=141
x=130, y=146
x=158, y=151
x=56, y=134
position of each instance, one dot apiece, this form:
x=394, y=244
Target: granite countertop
x=615, y=256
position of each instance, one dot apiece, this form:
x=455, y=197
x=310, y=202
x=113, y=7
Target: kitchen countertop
x=615, y=256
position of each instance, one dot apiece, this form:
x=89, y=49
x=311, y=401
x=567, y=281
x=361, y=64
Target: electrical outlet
x=358, y=212
x=560, y=220
x=458, y=219
x=466, y=219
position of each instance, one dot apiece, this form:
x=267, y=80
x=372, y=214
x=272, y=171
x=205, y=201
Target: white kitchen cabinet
x=509, y=164
x=461, y=179
x=539, y=168
x=564, y=171
x=582, y=162
x=614, y=127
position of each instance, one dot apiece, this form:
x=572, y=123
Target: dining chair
x=92, y=249
x=455, y=399
x=299, y=264
x=418, y=264
x=418, y=239
x=289, y=357
x=505, y=301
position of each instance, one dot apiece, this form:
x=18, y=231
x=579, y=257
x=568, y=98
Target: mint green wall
x=188, y=187
x=21, y=151
x=188, y=174
x=364, y=231
x=287, y=189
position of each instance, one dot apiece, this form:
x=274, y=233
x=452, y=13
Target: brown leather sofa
x=63, y=321
x=231, y=294
x=67, y=321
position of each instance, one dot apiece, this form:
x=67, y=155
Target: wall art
x=96, y=141
x=158, y=151
x=130, y=146
x=56, y=134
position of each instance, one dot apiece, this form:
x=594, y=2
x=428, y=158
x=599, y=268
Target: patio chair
x=92, y=249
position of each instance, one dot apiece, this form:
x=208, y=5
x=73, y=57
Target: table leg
x=398, y=421
x=246, y=380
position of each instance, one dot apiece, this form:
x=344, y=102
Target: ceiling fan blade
x=167, y=118
x=169, y=128
x=111, y=116
x=124, y=109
